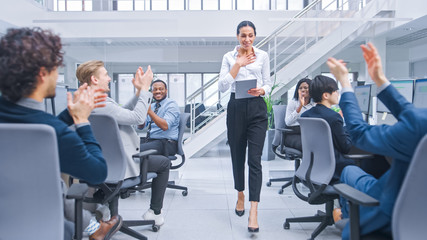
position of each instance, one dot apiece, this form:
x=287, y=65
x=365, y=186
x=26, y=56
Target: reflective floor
x=207, y=212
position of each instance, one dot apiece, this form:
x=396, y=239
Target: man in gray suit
x=127, y=116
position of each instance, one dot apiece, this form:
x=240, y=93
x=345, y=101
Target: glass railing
x=284, y=45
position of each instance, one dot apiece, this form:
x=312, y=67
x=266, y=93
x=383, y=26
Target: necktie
x=156, y=109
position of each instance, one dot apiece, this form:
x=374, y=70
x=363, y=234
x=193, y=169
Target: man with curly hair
x=29, y=61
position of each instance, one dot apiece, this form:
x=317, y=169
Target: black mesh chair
x=279, y=147
x=180, y=152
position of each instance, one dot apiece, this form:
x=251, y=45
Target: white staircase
x=332, y=31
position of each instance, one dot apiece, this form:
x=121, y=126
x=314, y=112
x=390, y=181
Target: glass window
x=159, y=4
x=209, y=98
x=281, y=4
x=329, y=5
x=139, y=5
x=244, y=4
x=194, y=83
x=262, y=5
x=124, y=5
x=176, y=4
x=210, y=4
x=87, y=5
x=176, y=88
x=295, y=5
x=194, y=4
x=126, y=89
x=226, y=4
x=74, y=5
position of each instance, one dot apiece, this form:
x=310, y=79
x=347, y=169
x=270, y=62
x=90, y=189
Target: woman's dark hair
x=245, y=24
x=320, y=85
x=304, y=80
x=23, y=52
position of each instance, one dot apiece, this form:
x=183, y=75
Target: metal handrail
x=294, y=48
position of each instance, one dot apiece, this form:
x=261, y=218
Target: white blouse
x=291, y=112
x=260, y=70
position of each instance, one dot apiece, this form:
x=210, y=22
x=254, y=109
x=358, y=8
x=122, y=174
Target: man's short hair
x=321, y=84
x=88, y=69
x=23, y=52
x=159, y=80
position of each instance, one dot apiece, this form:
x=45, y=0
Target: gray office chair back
x=410, y=213
x=316, y=140
x=31, y=203
x=182, y=125
x=106, y=132
x=279, y=122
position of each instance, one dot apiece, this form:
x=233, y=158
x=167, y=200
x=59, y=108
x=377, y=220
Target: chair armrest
x=284, y=130
x=138, y=156
x=359, y=156
x=77, y=191
x=355, y=196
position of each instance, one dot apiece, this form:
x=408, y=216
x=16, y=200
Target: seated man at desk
x=162, y=122
x=127, y=116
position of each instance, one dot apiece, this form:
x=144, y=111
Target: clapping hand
x=339, y=70
x=373, y=61
x=85, y=100
x=142, y=80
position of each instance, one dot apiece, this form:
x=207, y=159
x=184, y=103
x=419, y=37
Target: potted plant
x=267, y=153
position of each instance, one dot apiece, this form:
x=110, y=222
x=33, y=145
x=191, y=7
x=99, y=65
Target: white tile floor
x=208, y=210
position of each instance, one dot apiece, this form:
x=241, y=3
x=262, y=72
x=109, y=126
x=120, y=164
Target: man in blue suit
x=397, y=141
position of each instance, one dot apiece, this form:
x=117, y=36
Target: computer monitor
x=363, y=96
x=404, y=87
x=420, y=93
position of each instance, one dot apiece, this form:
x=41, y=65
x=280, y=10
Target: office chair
x=198, y=111
x=31, y=203
x=409, y=212
x=171, y=184
x=316, y=171
x=106, y=132
x=279, y=148
x=182, y=125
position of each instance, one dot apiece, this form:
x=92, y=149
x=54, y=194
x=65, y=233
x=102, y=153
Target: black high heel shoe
x=239, y=212
x=253, y=230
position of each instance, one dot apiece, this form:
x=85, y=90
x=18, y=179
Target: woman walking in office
x=246, y=117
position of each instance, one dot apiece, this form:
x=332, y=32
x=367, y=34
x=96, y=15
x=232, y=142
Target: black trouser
x=164, y=147
x=293, y=139
x=246, y=126
x=160, y=165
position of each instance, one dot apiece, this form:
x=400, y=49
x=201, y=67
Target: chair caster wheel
x=155, y=228
x=184, y=193
x=268, y=184
x=286, y=225
x=281, y=191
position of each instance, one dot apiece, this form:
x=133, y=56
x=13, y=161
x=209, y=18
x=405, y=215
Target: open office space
x=184, y=42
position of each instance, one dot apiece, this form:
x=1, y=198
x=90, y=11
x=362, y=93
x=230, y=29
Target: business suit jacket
x=397, y=141
x=340, y=137
x=132, y=113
